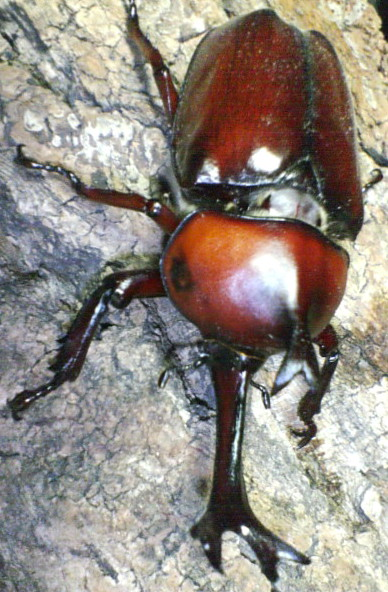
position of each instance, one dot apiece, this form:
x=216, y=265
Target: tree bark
x=101, y=482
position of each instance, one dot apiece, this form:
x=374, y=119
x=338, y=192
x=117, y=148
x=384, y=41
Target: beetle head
x=287, y=202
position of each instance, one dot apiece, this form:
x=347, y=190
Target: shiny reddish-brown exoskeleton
x=265, y=177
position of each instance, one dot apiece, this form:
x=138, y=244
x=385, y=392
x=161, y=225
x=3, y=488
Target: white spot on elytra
x=262, y=160
x=209, y=173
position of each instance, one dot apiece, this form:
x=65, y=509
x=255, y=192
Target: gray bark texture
x=102, y=480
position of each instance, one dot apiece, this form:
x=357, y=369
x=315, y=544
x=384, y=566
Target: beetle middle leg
x=118, y=289
x=228, y=506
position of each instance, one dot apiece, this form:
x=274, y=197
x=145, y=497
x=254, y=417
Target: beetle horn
x=300, y=358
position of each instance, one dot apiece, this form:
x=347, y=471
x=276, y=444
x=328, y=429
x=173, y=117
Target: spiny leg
x=201, y=359
x=228, y=506
x=117, y=289
x=131, y=200
x=310, y=404
x=163, y=79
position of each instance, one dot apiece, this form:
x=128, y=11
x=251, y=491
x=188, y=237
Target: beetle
x=258, y=201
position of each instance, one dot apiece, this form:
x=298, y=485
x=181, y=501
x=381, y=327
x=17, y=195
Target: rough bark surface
x=101, y=481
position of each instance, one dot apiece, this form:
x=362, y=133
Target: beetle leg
x=154, y=209
x=117, y=289
x=310, y=404
x=375, y=177
x=162, y=76
x=228, y=507
x=265, y=396
x=165, y=375
x=379, y=158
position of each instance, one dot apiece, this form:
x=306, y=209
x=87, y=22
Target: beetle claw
x=305, y=435
x=239, y=518
x=308, y=406
x=209, y=533
x=24, y=399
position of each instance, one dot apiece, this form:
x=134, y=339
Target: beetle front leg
x=310, y=404
x=117, y=289
x=162, y=76
x=228, y=507
x=130, y=200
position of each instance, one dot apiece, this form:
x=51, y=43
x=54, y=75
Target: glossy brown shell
x=264, y=103
x=251, y=282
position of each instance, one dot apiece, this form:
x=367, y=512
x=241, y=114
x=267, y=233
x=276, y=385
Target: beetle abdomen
x=249, y=282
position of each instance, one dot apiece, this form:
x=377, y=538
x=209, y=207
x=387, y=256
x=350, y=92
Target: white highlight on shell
x=262, y=160
x=210, y=172
x=269, y=281
x=278, y=273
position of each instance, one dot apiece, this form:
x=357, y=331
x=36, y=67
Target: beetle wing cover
x=333, y=150
x=243, y=105
x=264, y=103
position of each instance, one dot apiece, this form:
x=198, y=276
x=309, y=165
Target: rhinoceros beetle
x=263, y=152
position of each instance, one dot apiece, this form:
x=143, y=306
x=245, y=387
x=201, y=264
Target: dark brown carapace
x=266, y=177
